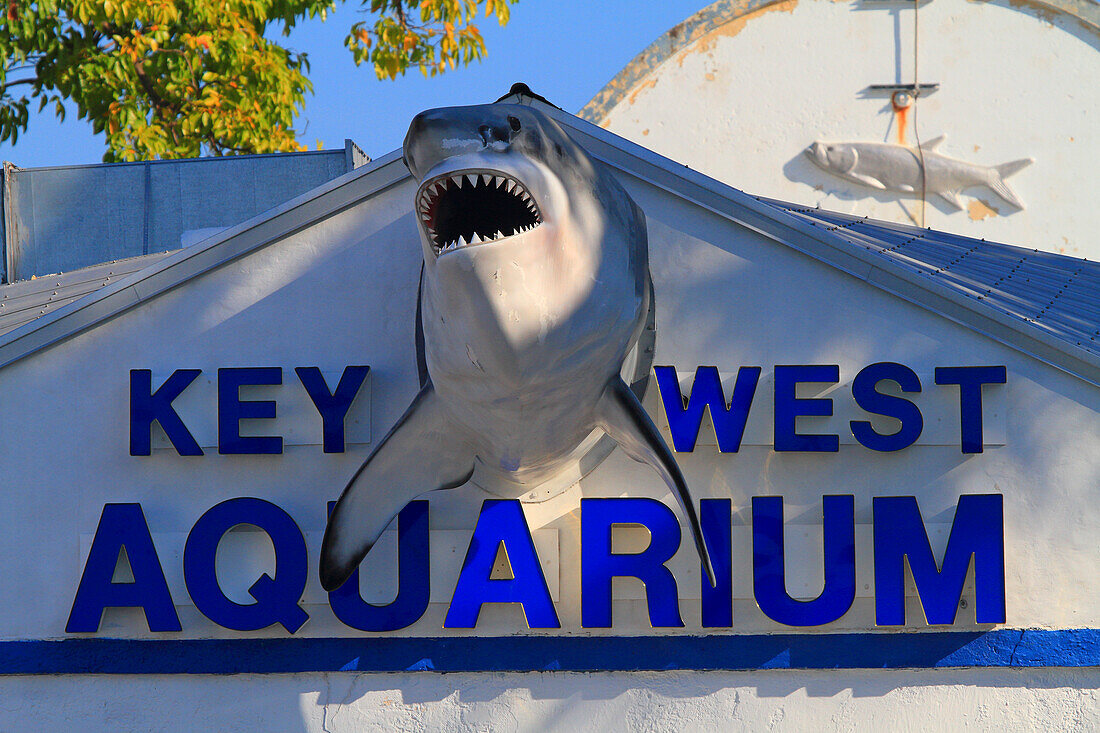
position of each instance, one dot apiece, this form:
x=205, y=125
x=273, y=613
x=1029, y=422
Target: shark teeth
x=469, y=208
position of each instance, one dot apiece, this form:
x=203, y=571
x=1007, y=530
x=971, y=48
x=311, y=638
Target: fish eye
x=513, y=122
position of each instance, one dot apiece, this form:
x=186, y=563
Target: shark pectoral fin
x=867, y=180
x=952, y=198
x=622, y=417
x=419, y=454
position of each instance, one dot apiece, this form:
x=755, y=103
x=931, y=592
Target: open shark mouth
x=466, y=208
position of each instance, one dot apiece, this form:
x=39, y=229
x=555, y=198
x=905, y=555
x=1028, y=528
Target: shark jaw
x=469, y=207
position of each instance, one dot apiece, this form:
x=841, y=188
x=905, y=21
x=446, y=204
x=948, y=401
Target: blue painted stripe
x=998, y=648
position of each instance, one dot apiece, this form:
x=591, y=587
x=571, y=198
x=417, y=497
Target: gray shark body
x=535, y=287
x=897, y=168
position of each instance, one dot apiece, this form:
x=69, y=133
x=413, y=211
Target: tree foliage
x=183, y=78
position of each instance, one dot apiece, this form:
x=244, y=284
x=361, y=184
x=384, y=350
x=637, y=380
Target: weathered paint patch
x=732, y=27
x=677, y=38
x=647, y=84
x=1085, y=12
x=978, y=210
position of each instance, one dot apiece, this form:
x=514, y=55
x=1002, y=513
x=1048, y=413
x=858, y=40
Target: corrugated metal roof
x=1055, y=293
x=25, y=301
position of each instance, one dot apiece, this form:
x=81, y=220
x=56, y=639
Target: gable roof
x=869, y=251
x=1058, y=295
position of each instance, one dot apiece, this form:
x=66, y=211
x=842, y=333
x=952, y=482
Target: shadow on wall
x=521, y=691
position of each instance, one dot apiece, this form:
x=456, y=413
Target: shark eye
x=513, y=122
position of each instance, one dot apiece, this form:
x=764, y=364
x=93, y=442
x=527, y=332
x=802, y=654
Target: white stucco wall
x=953, y=699
x=741, y=100
x=341, y=291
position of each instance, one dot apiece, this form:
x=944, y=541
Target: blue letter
x=685, y=416
x=413, y=579
x=501, y=522
x=147, y=406
x=970, y=381
x=122, y=526
x=863, y=389
x=839, y=551
x=231, y=410
x=978, y=530
x=276, y=598
x=716, y=520
x=788, y=407
x=599, y=565
x=333, y=406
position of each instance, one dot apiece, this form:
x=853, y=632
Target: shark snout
x=438, y=134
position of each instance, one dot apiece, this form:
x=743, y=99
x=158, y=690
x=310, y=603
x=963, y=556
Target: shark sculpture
x=897, y=168
x=534, y=289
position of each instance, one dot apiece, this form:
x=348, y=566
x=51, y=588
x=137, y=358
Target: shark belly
x=525, y=406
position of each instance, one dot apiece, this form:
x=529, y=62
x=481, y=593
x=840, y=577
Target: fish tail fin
x=1003, y=171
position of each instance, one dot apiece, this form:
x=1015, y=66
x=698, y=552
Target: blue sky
x=565, y=50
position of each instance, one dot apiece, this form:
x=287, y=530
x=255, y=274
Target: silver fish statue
x=535, y=288
x=897, y=168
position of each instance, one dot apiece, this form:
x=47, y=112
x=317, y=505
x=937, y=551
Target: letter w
x=685, y=414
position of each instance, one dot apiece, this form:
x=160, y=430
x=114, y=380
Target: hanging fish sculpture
x=897, y=168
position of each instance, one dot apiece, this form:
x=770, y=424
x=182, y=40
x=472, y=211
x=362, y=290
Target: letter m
x=978, y=532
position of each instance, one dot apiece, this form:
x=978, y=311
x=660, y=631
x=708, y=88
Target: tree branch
x=7, y=84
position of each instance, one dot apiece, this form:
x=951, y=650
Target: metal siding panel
x=215, y=193
x=83, y=216
x=21, y=226
x=4, y=225
x=165, y=207
x=281, y=178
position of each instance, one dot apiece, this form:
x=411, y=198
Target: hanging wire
x=916, y=95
